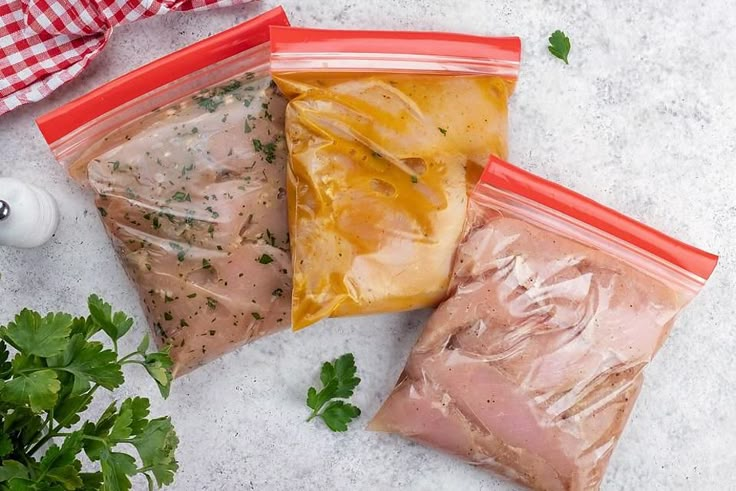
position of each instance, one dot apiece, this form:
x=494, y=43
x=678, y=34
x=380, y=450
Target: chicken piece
x=194, y=197
x=379, y=174
x=532, y=366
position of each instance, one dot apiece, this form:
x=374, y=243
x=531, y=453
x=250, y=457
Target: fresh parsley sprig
x=338, y=382
x=559, y=45
x=50, y=370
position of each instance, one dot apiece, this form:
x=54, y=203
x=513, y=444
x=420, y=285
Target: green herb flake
x=115, y=165
x=443, y=131
x=181, y=256
x=211, y=303
x=183, y=323
x=265, y=259
x=209, y=104
x=414, y=179
x=256, y=316
x=168, y=316
x=181, y=196
x=270, y=238
x=103, y=212
x=192, y=295
x=195, y=130
x=266, y=114
x=247, y=128
x=270, y=152
x=206, y=264
x=156, y=223
x=186, y=169
x=278, y=292
x=559, y=45
x=214, y=214
x=231, y=86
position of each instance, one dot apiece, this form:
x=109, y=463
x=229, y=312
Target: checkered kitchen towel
x=45, y=43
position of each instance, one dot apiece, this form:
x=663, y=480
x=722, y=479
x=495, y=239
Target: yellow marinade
x=379, y=172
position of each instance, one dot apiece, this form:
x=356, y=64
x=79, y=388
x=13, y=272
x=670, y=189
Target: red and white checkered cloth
x=46, y=43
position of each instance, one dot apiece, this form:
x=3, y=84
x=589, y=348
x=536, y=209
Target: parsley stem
x=127, y=357
x=136, y=362
x=96, y=438
x=312, y=416
x=46, y=423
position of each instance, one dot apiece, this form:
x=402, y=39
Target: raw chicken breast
x=532, y=366
x=380, y=169
x=194, y=198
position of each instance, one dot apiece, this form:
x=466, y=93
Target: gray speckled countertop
x=643, y=119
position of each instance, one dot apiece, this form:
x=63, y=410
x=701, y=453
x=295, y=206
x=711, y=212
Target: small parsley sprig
x=559, y=45
x=338, y=381
x=50, y=370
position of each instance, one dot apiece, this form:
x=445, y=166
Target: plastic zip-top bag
x=186, y=158
x=387, y=133
x=532, y=366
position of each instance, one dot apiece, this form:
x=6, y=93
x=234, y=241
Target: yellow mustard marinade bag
x=387, y=133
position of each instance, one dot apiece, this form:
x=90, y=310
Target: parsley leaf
x=87, y=362
x=38, y=389
x=339, y=382
x=116, y=470
x=40, y=336
x=156, y=445
x=559, y=45
x=49, y=384
x=337, y=415
x=115, y=325
x=158, y=366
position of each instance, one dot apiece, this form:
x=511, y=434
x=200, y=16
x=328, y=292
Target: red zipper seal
x=288, y=42
x=508, y=177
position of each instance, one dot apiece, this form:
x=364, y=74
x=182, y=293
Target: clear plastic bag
x=533, y=364
x=387, y=133
x=188, y=171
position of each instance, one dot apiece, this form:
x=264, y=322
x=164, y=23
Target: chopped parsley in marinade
x=194, y=199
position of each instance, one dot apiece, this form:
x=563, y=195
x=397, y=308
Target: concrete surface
x=643, y=119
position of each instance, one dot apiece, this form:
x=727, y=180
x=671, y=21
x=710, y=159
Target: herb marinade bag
x=532, y=366
x=387, y=133
x=187, y=160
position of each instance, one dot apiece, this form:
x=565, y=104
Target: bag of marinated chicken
x=387, y=133
x=186, y=158
x=532, y=366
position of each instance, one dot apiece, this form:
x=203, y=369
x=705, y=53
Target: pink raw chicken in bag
x=532, y=366
x=187, y=161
